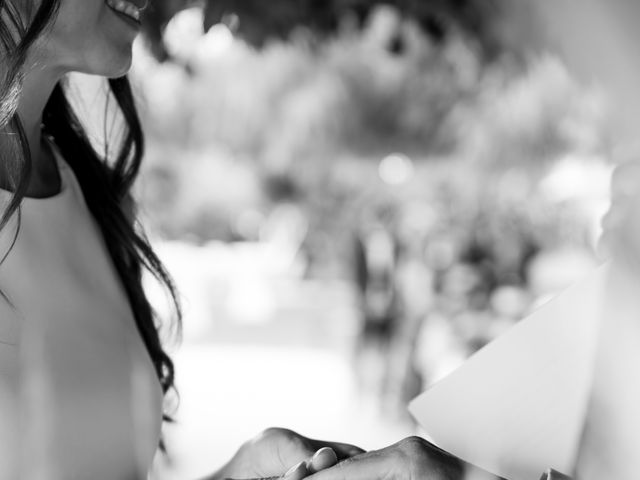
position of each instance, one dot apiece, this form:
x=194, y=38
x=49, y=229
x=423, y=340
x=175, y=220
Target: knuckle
x=273, y=433
x=285, y=438
x=419, y=458
x=270, y=432
x=412, y=444
x=412, y=450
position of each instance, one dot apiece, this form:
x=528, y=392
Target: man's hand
x=276, y=452
x=410, y=459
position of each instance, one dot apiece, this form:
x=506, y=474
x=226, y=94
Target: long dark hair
x=106, y=182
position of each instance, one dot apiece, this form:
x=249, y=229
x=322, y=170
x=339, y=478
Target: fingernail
x=320, y=452
x=295, y=469
x=324, y=458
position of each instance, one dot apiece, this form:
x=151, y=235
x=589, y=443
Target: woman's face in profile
x=91, y=36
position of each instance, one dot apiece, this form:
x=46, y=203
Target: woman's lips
x=127, y=8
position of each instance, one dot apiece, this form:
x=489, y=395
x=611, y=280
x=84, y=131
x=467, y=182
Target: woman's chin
x=121, y=71
x=118, y=66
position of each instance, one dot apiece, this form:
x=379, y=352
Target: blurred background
x=353, y=197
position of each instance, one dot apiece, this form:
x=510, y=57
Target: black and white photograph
x=319, y=239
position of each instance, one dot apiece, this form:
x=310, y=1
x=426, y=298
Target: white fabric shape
x=517, y=407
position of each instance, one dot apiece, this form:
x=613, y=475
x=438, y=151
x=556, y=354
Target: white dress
x=79, y=397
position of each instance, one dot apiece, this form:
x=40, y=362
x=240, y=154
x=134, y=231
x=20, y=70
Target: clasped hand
x=283, y=453
x=278, y=452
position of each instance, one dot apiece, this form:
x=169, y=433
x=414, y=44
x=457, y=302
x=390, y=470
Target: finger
x=297, y=472
x=323, y=458
x=406, y=459
x=368, y=466
x=342, y=450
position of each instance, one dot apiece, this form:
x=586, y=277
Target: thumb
x=342, y=450
x=324, y=458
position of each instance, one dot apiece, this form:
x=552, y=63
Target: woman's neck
x=37, y=87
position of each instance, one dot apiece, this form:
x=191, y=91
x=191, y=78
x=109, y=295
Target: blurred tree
x=258, y=21
x=242, y=128
x=156, y=18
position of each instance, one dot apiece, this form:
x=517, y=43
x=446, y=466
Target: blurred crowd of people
x=434, y=288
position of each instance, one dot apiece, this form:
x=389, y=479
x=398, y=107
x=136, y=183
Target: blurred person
x=414, y=285
x=375, y=257
x=610, y=435
x=612, y=431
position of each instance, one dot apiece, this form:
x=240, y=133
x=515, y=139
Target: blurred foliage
x=290, y=125
x=258, y=22
x=235, y=131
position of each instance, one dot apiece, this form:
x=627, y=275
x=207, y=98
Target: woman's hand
x=410, y=459
x=277, y=451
